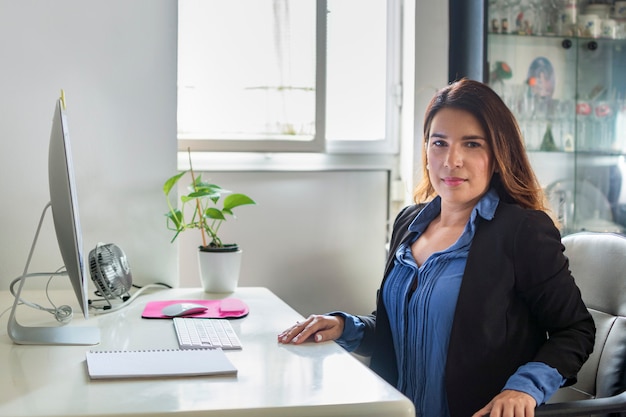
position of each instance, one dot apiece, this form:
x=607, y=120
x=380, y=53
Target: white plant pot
x=219, y=271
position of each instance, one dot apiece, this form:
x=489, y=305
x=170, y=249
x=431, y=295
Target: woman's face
x=460, y=161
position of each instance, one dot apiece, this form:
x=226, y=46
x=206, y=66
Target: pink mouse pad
x=216, y=309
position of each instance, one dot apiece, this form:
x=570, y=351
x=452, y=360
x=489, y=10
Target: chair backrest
x=598, y=264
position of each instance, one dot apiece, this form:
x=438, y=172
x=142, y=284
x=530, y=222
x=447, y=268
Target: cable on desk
x=62, y=313
x=109, y=309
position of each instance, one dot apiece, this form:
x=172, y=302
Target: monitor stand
x=23, y=335
x=54, y=335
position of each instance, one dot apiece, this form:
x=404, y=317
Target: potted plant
x=206, y=207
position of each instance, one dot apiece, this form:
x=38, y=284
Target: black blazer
x=516, y=290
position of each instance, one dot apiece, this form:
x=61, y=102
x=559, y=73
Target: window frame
x=319, y=144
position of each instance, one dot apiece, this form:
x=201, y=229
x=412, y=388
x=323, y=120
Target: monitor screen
x=65, y=206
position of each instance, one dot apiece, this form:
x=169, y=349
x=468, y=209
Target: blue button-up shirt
x=421, y=319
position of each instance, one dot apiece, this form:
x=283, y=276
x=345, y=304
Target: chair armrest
x=612, y=404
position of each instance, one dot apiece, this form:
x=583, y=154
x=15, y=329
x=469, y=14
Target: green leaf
x=176, y=217
x=214, y=188
x=169, y=184
x=199, y=185
x=235, y=200
x=209, y=187
x=203, y=193
x=213, y=213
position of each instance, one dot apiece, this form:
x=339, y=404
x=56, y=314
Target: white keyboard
x=205, y=333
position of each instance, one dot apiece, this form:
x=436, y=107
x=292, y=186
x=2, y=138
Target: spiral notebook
x=158, y=363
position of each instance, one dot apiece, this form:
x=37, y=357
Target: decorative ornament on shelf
x=547, y=144
x=502, y=71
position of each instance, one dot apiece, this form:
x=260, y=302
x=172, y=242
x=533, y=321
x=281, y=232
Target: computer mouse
x=183, y=309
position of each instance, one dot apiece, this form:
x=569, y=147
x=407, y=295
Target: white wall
x=116, y=61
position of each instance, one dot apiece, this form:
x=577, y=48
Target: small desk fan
x=110, y=272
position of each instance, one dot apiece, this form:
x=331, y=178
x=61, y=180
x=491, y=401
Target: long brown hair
x=514, y=178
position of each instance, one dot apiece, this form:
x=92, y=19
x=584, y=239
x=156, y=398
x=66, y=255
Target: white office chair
x=598, y=264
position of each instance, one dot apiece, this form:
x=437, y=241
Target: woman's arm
x=548, y=287
x=319, y=328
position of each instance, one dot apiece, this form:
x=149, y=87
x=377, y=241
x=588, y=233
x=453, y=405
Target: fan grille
x=109, y=270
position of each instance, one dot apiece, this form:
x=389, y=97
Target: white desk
x=273, y=379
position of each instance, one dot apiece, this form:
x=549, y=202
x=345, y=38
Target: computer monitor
x=63, y=202
x=65, y=205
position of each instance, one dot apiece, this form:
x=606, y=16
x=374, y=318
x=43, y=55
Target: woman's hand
x=509, y=403
x=320, y=328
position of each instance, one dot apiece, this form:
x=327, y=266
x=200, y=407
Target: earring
x=427, y=167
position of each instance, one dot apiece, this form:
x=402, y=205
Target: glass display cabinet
x=560, y=66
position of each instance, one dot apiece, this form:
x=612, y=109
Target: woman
x=478, y=312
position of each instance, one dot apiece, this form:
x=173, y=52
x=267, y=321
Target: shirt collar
x=485, y=208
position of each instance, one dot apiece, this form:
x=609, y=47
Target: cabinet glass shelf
x=568, y=94
x=561, y=37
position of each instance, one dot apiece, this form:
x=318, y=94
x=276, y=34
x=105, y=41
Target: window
x=289, y=75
